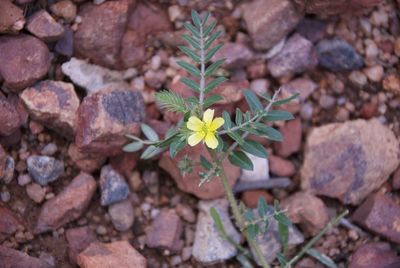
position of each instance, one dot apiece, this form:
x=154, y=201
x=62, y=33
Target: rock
x=374, y=73
x=64, y=9
x=260, y=170
x=3, y=161
x=312, y=29
x=396, y=180
x=10, y=258
x=208, y=246
x=280, y=166
x=68, y=205
x=292, y=134
x=327, y=102
x=93, y=77
x=49, y=149
x=24, y=179
x=53, y=104
x=11, y=17
x=189, y=182
x=297, y=56
x=391, y=83
x=116, y=254
x=307, y=210
x=106, y=117
x=87, y=162
x=122, y=215
x=304, y=86
x=44, y=169
x=36, y=192
x=113, y=186
x=269, y=21
x=42, y=25
x=16, y=71
x=78, y=240
x=260, y=86
x=9, y=223
x=333, y=7
x=10, y=120
x=186, y=213
x=250, y=198
x=374, y=254
x=65, y=44
x=9, y=170
x=269, y=241
x=165, y=232
x=337, y=55
x=236, y=54
x=349, y=160
x=380, y=214
x=358, y=78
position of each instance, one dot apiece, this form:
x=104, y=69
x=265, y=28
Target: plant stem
x=303, y=251
x=202, y=69
x=236, y=211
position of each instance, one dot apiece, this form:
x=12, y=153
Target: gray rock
x=259, y=172
x=122, y=215
x=236, y=55
x=44, y=169
x=9, y=170
x=209, y=247
x=113, y=186
x=337, y=55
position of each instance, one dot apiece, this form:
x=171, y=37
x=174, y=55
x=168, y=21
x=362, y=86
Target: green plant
x=223, y=137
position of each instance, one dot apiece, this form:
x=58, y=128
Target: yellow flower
x=204, y=130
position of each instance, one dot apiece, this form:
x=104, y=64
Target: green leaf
x=213, y=67
x=176, y=146
x=254, y=148
x=218, y=222
x=248, y=215
x=149, y=132
x=212, y=52
x=236, y=137
x=192, y=29
x=244, y=261
x=262, y=207
x=196, y=18
x=227, y=119
x=191, y=84
x=284, y=101
x=253, y=230
x=150, y=152
x=253, y=101
x=283, y=231
x=191, y=41
x=211, y=39
x=205, y=163
x=214, y=83
x=189, y=68
x=171, y=101
x=321, y=258
x=205, y=18
x=167, y=141
x=190, y=53
x=268, y=131
x=241, y=160
x=212, y=100
x=238, y=117
x=282, y=259
x=133, y=147
x=278, y=115
x=209, y=28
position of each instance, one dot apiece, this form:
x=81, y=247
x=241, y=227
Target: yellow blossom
x=204, y=130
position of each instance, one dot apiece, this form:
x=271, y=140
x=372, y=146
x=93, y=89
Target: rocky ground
x=77, y=76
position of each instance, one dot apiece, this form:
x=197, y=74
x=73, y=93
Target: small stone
x=186, y=213
x=304, y=86
x=380, y=214
x=44, y=169
x=236, y=55
x=13, y=258
x=9, y=223
x=375, y=73
x=175, y=12
x=209, y=247
x=113, y=186
x=334, y=7
x=117, y=254
x=78, y=240
x=165, y=232
x=338, y=56
x=49, y=149
x=374, y=254
x=269, y=21
x=349, y=160
x=260, y=170
x=312, y=29
x=392, y=83
x=36, y=192
x=260, y=86
x=396, y=179
x=101, y=230
x=24, y=179
x=358, y=78
x=11, y=17
x=250, y=198
x=307, y=210
x=327, y=102
x=280, y=166
x=122, y=215
x=297, y=56
x=10, y=121
x=87, y=162
x=64, y=9
x=9, y=170
x=5, y=196
x=68, y=205
x=65, y=44
x=43, y=26
x=292, y=134
x=306, y=111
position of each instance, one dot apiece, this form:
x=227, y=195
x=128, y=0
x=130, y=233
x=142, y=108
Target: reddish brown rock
x=36, y=192
x=65, y=9
x=68, y=205
x=281, y=167
x=332, y=7
x=165, y=232
x=381, y=215
x=87, y=162
x=11, y=258
x=391, y=83
x=375, y=254
x=54, y=104
x=307, y=210
x=189, y=182
x=106, y=117
x=24, y=60
x=11, y=17
x=269, y=21
x=117, y=254
x=124, y=163
x=43, y=26
x=78, y=240
x=395, y=180
x=292, y=134
x=236, y=55
x=9, y=117
x=250, y=198
x=349, y=160
x=9, y=223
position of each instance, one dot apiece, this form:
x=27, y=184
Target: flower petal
x=208, y=117
x=211, y=140
x=216, y=123
x=194, y=124
x=195, y=138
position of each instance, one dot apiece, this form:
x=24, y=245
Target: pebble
x=44, y=169
x=12, y=18
x=375, y=73
x=306, y=111
x=374, y=254
x=50, y=149
x=391, y=83
x=42, y=25
x=101, y=230
x=14, y=258
x=113, y=186
x=358, y=78
x=327, y=102
x=292, y=136
x=36, y=192
x=122, y=215
x=24, y=179
x=186, y=212
x=260, y=86
x=260, y=170
x=281, y=167
x=65, y=9
x=78, y=239
x=9, y=170
x=5, y=196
